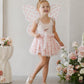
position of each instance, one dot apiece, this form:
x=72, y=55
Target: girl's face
x=44, y=8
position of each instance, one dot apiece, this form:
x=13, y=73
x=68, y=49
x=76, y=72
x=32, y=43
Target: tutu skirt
x=46, y=45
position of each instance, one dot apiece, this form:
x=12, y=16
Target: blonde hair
x=40, y=2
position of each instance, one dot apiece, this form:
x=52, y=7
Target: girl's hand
x=61, y=43
x=37, y=35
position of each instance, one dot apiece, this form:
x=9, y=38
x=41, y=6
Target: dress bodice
x=45, y=28
x=46, y=43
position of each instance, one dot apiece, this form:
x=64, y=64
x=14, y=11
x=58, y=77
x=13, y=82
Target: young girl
x=44, y=43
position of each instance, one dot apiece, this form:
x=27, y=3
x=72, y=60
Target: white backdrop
x=22, y=62
x=1, y=18
x=76, y=21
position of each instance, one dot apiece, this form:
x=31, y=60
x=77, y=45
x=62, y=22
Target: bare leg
x=43, y=61
x=45, y=70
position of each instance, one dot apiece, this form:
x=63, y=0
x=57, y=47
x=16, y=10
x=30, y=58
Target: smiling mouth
x=45, y=10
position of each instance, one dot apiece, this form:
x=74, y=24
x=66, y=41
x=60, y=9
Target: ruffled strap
x=53, y=19
x=37, y=20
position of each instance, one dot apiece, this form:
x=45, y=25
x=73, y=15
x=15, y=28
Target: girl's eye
x=43, y=7
x=47, y=6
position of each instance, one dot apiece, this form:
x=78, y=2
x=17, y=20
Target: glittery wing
x=31, y=14
x=54, y=11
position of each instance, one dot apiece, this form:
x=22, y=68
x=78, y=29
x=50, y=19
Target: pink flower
x=65, y=70
x=8, y=43
x=72, y=56
x=81, y=54
x=58, y=62
x=3, y=39
x=75, y=44
x=70, y=66
x=3, y=79
x=77, y=66
x=81, y=79
x=75, y=71
x=59, y=68
x=1, y=73
x=70, y=70
x=67, y=77
x=82, y=64
x=81, y=49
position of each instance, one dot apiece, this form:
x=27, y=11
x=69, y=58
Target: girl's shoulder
x=37, y=20
x=52, y=18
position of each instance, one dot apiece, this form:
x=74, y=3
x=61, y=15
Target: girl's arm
x=34, y=27
x=56, y=35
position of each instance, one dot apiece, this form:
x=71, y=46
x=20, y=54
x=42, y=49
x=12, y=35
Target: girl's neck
x=44, y=16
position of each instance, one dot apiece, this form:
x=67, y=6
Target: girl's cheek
x=42, y=10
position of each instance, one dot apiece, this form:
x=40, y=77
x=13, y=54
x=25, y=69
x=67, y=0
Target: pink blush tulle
x=52, y=47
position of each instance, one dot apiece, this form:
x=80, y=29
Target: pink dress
x=46, y=44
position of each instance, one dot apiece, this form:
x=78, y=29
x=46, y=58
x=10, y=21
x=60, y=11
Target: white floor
x=38, y=80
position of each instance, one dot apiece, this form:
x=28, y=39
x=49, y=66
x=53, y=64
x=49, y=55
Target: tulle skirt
x=46, y=45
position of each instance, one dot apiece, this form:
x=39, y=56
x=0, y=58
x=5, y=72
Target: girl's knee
x=45, y=60
x=46, y=65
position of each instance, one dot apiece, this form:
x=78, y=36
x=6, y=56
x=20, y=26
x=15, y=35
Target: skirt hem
x=43, y=55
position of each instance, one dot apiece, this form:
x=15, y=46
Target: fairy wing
x=30, y=14
x=54, y=11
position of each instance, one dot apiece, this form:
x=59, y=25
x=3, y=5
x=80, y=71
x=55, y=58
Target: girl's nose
x=46, y=8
